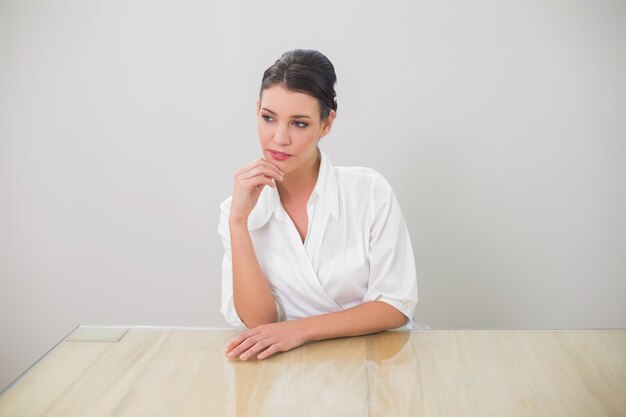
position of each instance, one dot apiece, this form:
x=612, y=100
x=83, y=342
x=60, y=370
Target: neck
x=298, y=185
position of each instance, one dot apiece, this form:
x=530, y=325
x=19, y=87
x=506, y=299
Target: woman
x=312, y=251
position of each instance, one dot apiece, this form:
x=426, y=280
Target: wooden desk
x=183, y=372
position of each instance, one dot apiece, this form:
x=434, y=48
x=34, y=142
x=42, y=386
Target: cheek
x=265, y=132
x=309, y=139
x=304, y=136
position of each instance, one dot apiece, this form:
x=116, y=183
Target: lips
x=279, y=156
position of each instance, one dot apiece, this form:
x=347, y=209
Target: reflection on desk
x=183, y=372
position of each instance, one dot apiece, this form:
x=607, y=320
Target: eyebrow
x=295, y=116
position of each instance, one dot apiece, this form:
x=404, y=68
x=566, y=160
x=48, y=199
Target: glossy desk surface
x=183, y=372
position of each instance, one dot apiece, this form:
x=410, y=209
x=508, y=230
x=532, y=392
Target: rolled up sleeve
x=392, y=265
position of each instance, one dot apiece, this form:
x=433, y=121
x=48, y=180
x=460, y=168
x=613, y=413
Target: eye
x=267, y=118
x=300, y=125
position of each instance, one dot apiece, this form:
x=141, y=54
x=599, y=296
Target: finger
x=256, y=348
x=272, y=163
x=261, y=170
x=246, y=344
x=242, y=347
x=231, y=346
x=269, y=351
x=255, y=182
x=269, y=161
x=237, y=341
x=269, y=175
x=259, y=163
x=250, y=166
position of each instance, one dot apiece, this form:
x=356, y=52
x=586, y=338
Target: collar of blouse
x=325, y=190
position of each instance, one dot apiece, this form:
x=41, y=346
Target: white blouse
x=357, y=247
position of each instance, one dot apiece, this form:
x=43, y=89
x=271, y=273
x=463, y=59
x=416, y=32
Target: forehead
x=282, y=101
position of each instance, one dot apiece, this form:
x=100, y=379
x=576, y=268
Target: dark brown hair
x=306, y=71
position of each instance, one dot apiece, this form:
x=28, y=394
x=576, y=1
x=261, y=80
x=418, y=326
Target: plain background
x=500, y=125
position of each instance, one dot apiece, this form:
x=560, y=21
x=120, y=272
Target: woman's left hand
x=265, y=340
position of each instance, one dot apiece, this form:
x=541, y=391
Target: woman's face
x=289, y=128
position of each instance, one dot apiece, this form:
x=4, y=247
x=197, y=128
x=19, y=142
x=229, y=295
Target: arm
x=366, y=318
x=389, y=302
x=252, y=296
x=265, y=340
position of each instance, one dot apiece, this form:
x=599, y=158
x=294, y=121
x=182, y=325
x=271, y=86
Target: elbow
x=254, y=312
x=253, y=322
x=386, y=316
x=252, y=319
x=402, y=321
x=395, y=318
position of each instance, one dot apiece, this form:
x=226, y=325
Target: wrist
x=238, y=222
x=307, y=329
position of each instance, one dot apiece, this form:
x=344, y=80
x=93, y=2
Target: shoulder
x=362, y=179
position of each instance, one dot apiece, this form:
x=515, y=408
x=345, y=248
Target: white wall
x=501, y=126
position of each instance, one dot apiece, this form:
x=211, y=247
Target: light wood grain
x=183, y=372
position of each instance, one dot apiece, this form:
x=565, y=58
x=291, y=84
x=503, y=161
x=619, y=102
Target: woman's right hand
x=249, y=182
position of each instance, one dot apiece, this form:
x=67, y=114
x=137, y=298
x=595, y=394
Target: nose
x=281, y=136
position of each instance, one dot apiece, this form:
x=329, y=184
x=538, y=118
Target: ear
x=328, y=123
